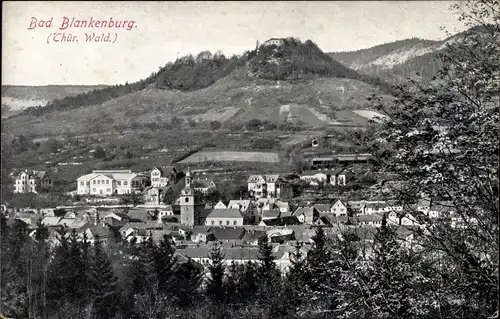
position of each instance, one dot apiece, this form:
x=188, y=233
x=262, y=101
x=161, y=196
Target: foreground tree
x=215, y=284
x=441, y=140
x=104, y=283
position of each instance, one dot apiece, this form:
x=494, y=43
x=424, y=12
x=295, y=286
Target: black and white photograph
x=250, y=159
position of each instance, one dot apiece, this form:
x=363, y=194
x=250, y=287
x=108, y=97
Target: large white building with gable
x=111, y=182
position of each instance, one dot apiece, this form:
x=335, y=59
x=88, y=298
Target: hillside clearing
x=231, y=157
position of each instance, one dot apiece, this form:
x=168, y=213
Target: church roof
x=225, y=213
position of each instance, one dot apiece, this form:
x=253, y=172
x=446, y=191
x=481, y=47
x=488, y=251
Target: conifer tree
x=233, y=282
x=59, y=270
x=215, y=285
x=165, y=265
x=269, y=279
x=79, y=273
x=316, y=275
x=188, y=278
x=14, y=297
x=104, y=289
x=295, y=281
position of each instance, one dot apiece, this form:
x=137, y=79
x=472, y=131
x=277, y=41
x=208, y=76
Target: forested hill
x=292, y=61
x=295, y=60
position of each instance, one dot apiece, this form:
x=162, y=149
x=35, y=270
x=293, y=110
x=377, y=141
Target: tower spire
x=188, y=177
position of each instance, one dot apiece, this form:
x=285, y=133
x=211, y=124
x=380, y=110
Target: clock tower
x=189, y=207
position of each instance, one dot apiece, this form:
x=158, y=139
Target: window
x=235, y=222
x=227, y=222
x=186, y=200
x=220, y=222
x=119, y=183
x=93, y=189
x=125, y=183
x=98, y=181
x=213, y=222
x=107, y=181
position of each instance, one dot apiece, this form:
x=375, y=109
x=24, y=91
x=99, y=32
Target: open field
x=231, y=157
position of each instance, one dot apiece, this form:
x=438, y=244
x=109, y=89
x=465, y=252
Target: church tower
x=189, y=214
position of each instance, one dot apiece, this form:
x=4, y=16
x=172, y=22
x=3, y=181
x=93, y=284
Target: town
x=179, y=204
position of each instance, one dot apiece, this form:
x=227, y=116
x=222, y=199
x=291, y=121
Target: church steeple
x=189, y=207
x=188, y=177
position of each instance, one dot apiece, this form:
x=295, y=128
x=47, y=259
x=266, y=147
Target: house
x=166, y=211
x=111, y=182
x=224, y=217
x=359, y=205
x=316, y=177
x=203, y=185
x=382, y=207
x=323, y=208
x=340, y=220
x=409, y=220
x=202, y=234
x=242, y=255
x=51, y=221
x=140, y=215
x=441, y=210
x=306, y=215
x=285, y=254
x=223, y=205
x=228, y=234
x=270, y=214
x=265, y=186
x=274, y=41
x=30, y=219
x=47, y=212
x=340, y=209
x=139, y=230
x=31, y=181
x=280, y=235
x=323, y=221
x=283, y=207
x=331, y=177
x=163, y=176
x=156, y=195
x=244, y=205
x=393, y=218
x=254, y=237
x=373, y=220
x=73, y=223
x=117, y=219
x=282, y=221
x=96, y=232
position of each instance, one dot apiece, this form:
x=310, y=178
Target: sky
x=163, y=31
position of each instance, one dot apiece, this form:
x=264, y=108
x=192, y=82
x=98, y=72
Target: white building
x=28, y=181
x=335, y=178
x=265, y=186
x=111, y=182
x=162, y=176
x=339, y=209
x=224, y=217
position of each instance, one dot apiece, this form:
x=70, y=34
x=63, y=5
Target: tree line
x=336, y=277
